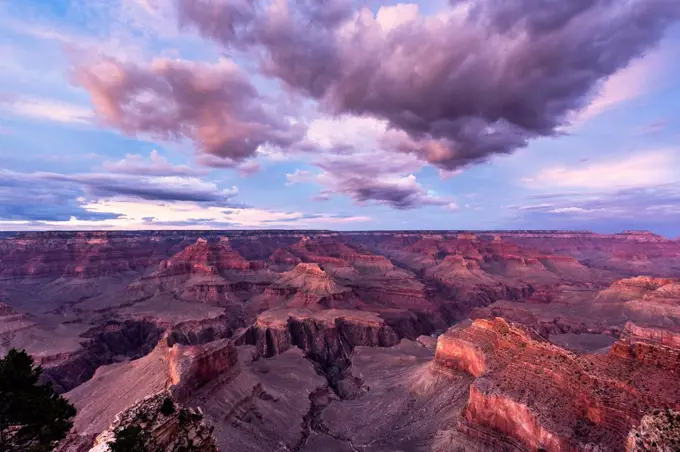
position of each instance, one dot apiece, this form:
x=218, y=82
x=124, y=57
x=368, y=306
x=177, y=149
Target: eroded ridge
x=548, y=398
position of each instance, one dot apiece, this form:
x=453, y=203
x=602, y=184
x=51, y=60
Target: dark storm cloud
x=534, y=16
x=297, y=37
x=462, y=88
x=215, y=105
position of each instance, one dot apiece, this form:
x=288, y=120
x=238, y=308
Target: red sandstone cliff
x=545, y=397
x=191, y=367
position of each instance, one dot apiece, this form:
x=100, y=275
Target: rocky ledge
x=165, y=426
x=543, y=397
x=652, y=346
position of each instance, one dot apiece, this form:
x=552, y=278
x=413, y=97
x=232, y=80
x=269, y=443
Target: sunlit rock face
x=546, y=397
x=192, y=367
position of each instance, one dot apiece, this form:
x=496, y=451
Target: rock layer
x=548, y=398
x=194, y=366
x=328, y=336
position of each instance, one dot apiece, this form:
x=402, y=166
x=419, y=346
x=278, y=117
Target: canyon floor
x=358, y=342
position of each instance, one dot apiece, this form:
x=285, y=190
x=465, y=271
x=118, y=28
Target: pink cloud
x=213, y=105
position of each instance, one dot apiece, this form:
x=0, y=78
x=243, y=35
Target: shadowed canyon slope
x=362, y=341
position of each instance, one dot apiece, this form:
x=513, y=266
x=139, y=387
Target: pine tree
x=33, y=418
x=129, y=439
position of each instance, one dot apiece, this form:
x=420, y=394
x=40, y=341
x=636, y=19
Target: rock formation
x=194, y=366
x=658, y=431
x=180, y=370
x=165, y=426
x=328, y=336
x=545, y=397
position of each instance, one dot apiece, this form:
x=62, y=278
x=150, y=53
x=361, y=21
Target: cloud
x=26, y=198
x=638, y=78
x=58, y=197
x=299, y=176
x=399, y=192
x=354, y=158
x=157, y=165
x=133, y=214
x=652, y=128
x=483, y=79
x=449, y=174
x=245, y=167
x=655, y=208
x=46, y=109
x=214, y=105
x=638, y=170
x=167, y=188
x=656, y=204
x=95, y=201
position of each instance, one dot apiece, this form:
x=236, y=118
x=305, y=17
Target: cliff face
x=513, y=419
x=191, y=367
x=630, y=253
x=98, y=253
x=328, y=336
x=211, y=257
x=79, y=255
x=202, y=272
x=547, y=398
x=651, y=346
x=110, y=343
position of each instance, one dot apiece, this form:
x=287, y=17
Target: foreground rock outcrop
x=179, y=369
x=164, y=426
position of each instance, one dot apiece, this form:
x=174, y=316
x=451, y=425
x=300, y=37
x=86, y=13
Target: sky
x=340, y=114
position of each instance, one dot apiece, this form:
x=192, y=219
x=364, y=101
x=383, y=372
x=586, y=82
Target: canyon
x=353, y=341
